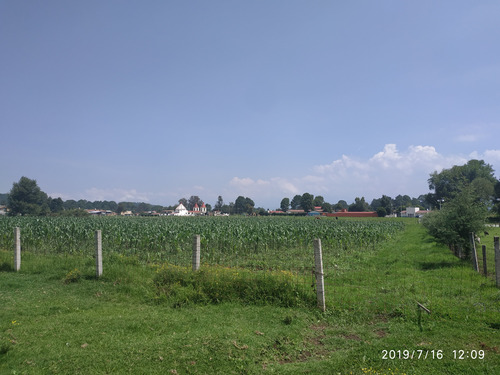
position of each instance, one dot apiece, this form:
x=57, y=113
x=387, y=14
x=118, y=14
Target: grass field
x=54, y=323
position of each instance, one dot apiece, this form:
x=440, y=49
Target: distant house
x=413, y=212
x=181, y=210
x=197, y=210
x=95, y=212
x=3, y=210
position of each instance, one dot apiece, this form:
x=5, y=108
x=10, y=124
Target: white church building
x=181, y=210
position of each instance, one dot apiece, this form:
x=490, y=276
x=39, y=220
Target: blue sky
x=158, y=100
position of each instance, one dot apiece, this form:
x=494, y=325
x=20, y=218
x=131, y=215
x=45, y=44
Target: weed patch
x=73, y=276
x=180, y=286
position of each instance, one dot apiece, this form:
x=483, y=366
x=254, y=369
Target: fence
x=346, y=281
x=196, y=255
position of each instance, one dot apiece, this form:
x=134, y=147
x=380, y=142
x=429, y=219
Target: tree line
x=474, y=181
x=383, y=206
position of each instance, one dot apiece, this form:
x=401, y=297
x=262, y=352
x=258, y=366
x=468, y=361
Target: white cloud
x=467, y=138
x=117, y=195
x=247, y=182
x=390, y=171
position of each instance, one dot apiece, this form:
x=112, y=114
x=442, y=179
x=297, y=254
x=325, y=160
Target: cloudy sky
x=158, y=100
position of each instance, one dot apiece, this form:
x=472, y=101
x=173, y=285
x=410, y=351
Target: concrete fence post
x=485, y=267
x=17, y=248
x=474, y=252
x=318, y=273
x=196, y=252
x=497, y=261
x=98, y=253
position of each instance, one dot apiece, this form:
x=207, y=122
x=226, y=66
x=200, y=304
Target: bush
x=453, y=224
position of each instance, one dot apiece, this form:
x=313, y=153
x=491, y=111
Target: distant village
x=181, y=210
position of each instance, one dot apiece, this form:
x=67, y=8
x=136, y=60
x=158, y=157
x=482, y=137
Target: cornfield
x=252, y=242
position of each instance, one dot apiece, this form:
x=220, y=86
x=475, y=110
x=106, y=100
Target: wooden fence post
x=497, y=261
x=485, y=267
x=196, y=252
x=318, y=273
x=474, y=252
x=17, y=248
x=98, y=253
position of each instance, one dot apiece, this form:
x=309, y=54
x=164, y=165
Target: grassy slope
x=110, y=325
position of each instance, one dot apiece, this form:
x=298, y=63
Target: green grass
x=116, y=325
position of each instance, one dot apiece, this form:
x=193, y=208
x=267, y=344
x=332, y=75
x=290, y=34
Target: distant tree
x=193, y=200
x=449, y=182
x=219, y=204
x=26, y=198
x=56, y=205
x=307, y=202
x=243, y=205
x=239, y=205
x=318, y=201
x=261, y=211
x=295, y=203
x=249, y=206
x=4, y=199
x=285, y=204
x=341, y=204
x=401, y=202
x=359, y=205
x=70, y=204
x=76, y=212
x=143, y=207
x=422, y=201
x=496, y=198
x=327, y=207
x=381, y=212
x=184, y=202
x=120, y=208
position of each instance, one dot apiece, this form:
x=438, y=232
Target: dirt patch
x=381, y=333
x=489, y=349
x=319, y=327
x=352, y=336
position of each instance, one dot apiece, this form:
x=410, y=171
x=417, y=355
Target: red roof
x=352, y=214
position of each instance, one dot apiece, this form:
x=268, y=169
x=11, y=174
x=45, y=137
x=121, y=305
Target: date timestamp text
x=432, y=354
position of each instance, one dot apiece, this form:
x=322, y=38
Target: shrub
x=453, y=224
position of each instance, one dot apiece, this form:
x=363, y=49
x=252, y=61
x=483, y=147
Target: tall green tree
x=307, y=202
x=219, y=204
x=295, y=203
x=318, y=201
x=243, y=205
x=340, y=205
x=56, y=205
x=193, y=200
x=285, y=204
x=26, y=198
x=359, y=205
x=449, y=182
